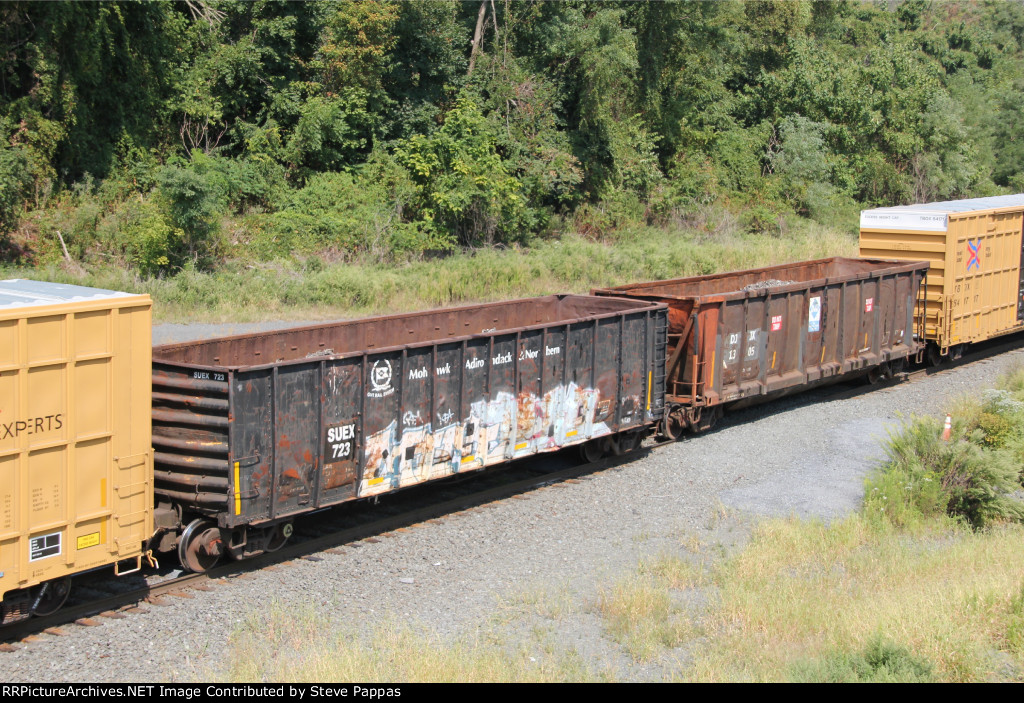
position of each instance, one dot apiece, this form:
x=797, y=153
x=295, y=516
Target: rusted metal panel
x=753, y=333
x=283, y=423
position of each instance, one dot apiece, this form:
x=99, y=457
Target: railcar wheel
x=934, y=355
x=673, y=424
x=592, y=451
x=956, y=352
x=49, y=597
x=879, y=373
x=199, y=548
x=625, y=443
x=281, y=534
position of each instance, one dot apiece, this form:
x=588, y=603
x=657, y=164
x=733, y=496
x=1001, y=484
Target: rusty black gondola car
x=251, y=431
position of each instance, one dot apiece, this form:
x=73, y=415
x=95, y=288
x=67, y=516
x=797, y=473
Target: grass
x=804, y=598
x=924, y=583
x=314, y=289
x=676, y=572
x=550, y=603
x=802, y=601
x=639, y=613
x=278, y=644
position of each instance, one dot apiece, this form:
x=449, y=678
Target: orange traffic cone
x=948, y=428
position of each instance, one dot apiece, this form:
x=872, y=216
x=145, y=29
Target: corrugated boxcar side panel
x=831, y=355
x=730, y=343
x=474, y=367
x=297, y=401
x=529, y=400
x=555, y=379
x=382, y=431
x=975, y=281
x=984, y=280
x=916, y=246
x=707, y=359
x=129, y=338
x=751, y=344
x=414, y=454
x=447, y=410
x=813, y=341
x=501, y=408
x=579, y=398
x=607, y=359
x=864, y=301
x=636, y=372
x=75, y=459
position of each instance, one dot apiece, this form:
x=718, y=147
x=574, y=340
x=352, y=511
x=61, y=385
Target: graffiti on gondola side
x=629, y=410
x=497, y=429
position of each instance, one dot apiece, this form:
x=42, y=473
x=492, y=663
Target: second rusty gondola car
x=251, y=431
x=755, y=334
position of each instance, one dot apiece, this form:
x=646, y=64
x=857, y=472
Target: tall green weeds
x=975, y=476
x=308, y=286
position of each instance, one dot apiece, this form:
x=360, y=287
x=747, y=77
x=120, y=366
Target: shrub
x=690, y=185
x=880, y=661
x=139, y=232
x=996, y=429
x=464, y=187
x=15, y=180
x=761, y=219
x=924, y=476
x=618, y=210
x=347, y=215
x=801, y=164
x=194, y=196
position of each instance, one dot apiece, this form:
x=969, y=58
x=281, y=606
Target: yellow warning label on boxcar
x=90, y=540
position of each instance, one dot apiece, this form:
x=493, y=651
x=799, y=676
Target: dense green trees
x=166, y=133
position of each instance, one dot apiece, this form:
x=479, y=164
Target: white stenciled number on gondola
x=339, y=441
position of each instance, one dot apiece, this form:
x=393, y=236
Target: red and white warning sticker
x=869, y=304
x=776, y=323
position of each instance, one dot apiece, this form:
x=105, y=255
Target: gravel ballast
x=798, y=456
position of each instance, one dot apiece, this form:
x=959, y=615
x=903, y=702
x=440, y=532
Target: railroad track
x=350, y=525
x=978, y=352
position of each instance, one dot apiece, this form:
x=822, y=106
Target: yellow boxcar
x=76, y=459
x=975, y=284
